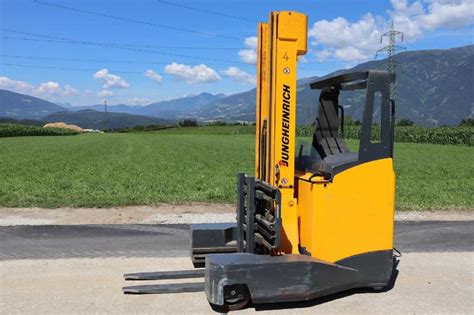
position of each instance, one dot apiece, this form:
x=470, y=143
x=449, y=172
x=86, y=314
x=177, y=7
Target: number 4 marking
x=285, y=56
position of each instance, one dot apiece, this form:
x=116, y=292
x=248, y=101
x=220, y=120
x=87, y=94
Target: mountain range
x=21, y=106
x=434, y=87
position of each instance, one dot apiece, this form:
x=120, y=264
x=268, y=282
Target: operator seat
x=331, y=147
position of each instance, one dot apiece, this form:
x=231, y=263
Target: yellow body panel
x=349, y=216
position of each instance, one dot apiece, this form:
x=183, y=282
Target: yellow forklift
x=315, y=219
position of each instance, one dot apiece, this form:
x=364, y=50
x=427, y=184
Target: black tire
x=237, y=304
x=236, y=297
x=231, y=305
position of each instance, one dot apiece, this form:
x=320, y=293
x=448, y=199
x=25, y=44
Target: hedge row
x=15, y=130
x=414, y=134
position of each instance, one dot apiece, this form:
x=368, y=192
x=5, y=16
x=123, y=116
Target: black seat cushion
x=333, y=164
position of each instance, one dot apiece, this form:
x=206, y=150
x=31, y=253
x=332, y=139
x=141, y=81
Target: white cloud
x=251, y=42
x=438, y=14
x=49, y=90
x=323, y=55
x=192, y=74
x=359, y=40
x=406, y=18
x=70, y=91
x=49, y=87
x=350, y=53
x=15, y=86
x=110, y=80
x=239, y=75
x=153, y=76
x=302, y=59
x=105, y=93
x=54, y=90
x=249, y=54
x=340, y=38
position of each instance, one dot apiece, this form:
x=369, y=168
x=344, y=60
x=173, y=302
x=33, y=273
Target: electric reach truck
x=315, y=219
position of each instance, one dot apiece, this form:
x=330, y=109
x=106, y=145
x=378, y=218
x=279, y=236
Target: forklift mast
x=280, y=42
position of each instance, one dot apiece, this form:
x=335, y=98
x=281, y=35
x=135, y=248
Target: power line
x=74, y=41
x=36, y=39
x=127, y=45
x=84, y=60
x=124, y=19
x=65, y=68
x=207, y=11
x=92, y=60
x=103, y=60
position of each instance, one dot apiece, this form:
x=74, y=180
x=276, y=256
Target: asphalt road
x=90, y=241
x=433, y=276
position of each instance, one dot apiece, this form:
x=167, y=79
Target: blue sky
x=163, y=49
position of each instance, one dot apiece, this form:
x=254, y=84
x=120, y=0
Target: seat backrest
x=326, y=138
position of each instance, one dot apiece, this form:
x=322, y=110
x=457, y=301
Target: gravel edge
x=172, y=214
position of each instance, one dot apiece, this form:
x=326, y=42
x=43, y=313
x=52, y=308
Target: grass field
x=168, y=166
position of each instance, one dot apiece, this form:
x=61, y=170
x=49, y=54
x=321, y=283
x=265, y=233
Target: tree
x=468, y=122
x=349, y=121
x=188, y=123
x=404, y=122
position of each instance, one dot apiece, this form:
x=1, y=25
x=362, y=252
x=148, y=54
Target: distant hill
x=119, y=108
x=21, y=106
x=189, y=106
x=26, y=122
x=92, y=119
x=176, y=109
x=434, y=87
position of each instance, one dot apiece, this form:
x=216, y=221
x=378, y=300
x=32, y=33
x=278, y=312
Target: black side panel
x=275, y=278
x=375, y=268
x=294, y=277
x=377, y=81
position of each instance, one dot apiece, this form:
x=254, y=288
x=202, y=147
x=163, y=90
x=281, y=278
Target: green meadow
x=193, y=164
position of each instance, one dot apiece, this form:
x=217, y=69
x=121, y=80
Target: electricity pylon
x=106, y=120
x=391, y=49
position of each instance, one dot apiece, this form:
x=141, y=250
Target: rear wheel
x=237, y=304
x=236, y=297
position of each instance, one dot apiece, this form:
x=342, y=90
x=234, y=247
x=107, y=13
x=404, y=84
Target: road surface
x=78, y=269
x=76, y=241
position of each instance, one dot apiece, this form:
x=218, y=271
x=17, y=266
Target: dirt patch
x=119, y=215
x=441, y=215
x=170, y=214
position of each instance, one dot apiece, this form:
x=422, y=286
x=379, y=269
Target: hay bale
x=64, y=126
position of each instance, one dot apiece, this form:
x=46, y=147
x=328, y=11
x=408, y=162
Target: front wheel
x=236, y=297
